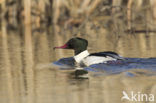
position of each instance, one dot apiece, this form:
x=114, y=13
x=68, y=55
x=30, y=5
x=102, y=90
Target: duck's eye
x=70, y=45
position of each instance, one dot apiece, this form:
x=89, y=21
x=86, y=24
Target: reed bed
x=129, y=15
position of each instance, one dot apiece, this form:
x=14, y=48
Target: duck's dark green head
x=77, y=44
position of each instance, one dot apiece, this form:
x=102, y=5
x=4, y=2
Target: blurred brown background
x=29, y=29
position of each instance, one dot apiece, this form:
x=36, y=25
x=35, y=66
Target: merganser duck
x=83, y=57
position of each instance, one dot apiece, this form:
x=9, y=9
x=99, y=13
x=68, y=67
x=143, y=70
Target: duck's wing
x=107, y=54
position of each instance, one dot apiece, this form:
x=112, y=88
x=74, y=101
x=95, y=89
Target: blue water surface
x=112, y=67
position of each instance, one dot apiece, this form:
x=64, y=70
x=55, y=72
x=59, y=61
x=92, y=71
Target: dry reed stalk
x=139, y=3
x=27, y=11
x=56, y=10
x=71, y=3
x=41, y=9
x=153, y=4
x=116, y=4
x=77, y=2
x=85, y=4
x=3, y=8
x=74, y=8
x=2, y=1
x=66, y=4
x=85, y=7
x=92, y=6
x=129, y=14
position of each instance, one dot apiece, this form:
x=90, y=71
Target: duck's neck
x=79, y=57
x=78, y=51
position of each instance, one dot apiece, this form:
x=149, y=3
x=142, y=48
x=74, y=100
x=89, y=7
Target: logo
x=132, y=96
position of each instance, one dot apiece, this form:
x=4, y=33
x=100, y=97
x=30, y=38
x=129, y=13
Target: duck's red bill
x=61, y=47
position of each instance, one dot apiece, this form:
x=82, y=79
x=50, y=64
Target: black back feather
x=107, y=53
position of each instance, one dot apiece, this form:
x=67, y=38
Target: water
x=27, y=76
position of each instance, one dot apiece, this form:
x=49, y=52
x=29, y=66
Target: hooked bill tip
x=54, y=48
